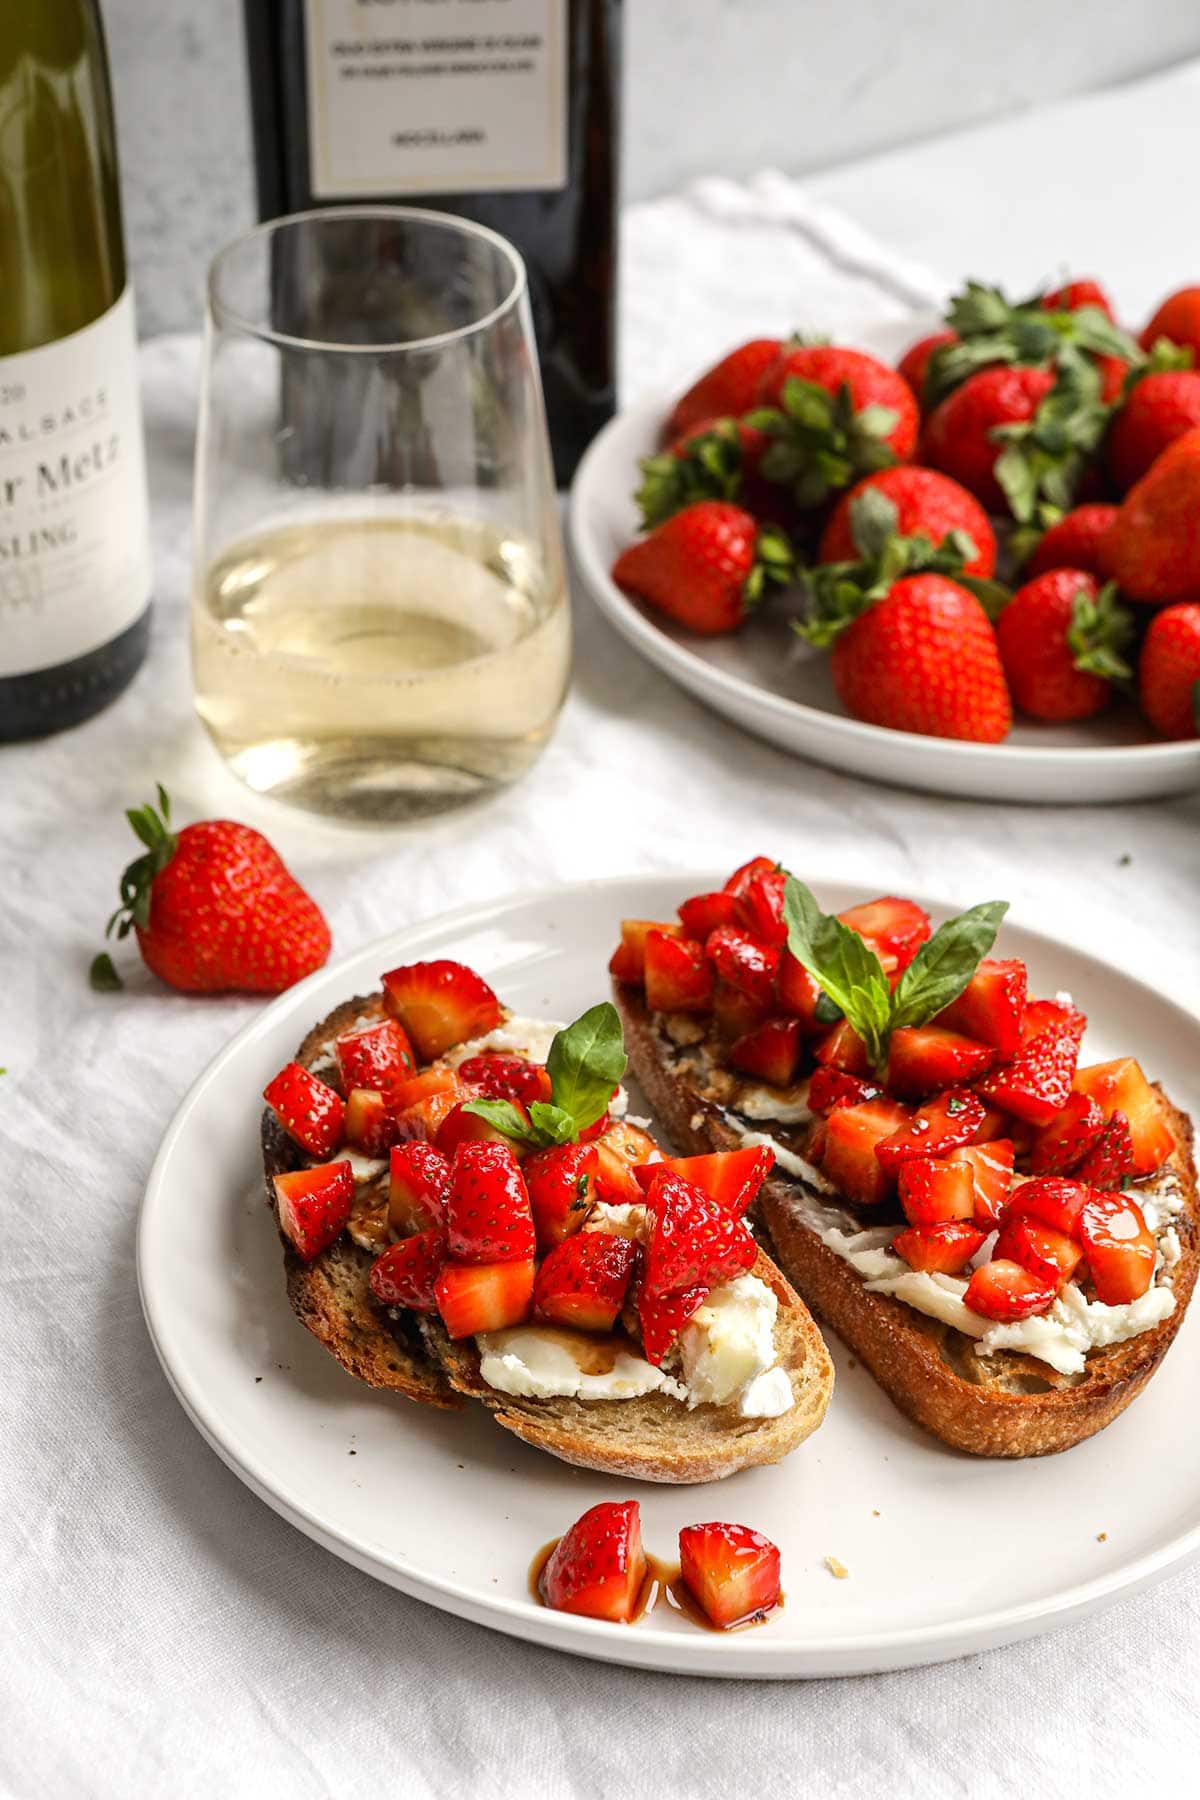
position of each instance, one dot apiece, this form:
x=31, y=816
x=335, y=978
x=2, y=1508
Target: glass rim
x=227, y=317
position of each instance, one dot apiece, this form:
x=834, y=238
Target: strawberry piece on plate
x=500, y=1077
x=991, y=1007
x=598, y=1567
x=848, y=1155
x=732, y=1177
x=1110, y=1162
x=770, y=1052
x=734, y=1013
x=474, y=1297
x=705, y=913
x=744, y=877
x=618, y=1154
x=895, y=929
x=1062, y=1145
x=799, y=994
x=462, y=1127
x=1005, y=1291
x=1036, y=1084
x=1121, y=1087
x=678, y=977
x=1062, y=1015
x=830, y=1088
x=418, y=1182
x=375, y=1056
x=731, y=1571
x=744, y=962
x=583, y=1281
x=310, y=1111
x=1048, y=1254
x=440, y=1004
x=843, y=1049
x=991, y=1167
x=760, y=908
x=947, y=1123
x=425, y=1109
x=313, y=1205
x=924, y=1059
x=628, y=960
x=942, y=1249
x=406, y=1273
x=562, y=1183
x=663, y=1316
x=487, y=1207
x=1119, y=1247
x=1052, y=1199
x=931, y=1191
x=369, y=1126
x=694, y=1241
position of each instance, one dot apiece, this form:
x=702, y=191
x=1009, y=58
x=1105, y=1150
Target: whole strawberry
x=1177, y=320
x=958, y=437
x=1153, y=548
x=214, y=909
x=914, y=364
x=706, y=566
x=1061, y=640
x=870, y=384
x=1169, y=673
x=729, y=388
x=925, y=501
x=1075, y=542
x=924, y=659
x=1159, y=409
x=1072, y=295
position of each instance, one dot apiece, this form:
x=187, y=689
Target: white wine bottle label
x=74, y=527
x=436, y=96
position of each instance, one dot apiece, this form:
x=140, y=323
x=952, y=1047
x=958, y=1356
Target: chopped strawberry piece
x=895, y=929
x=843, y=1049
x=1062, y=1145
x=1109, y=1163
x=1052, y=1199
x=375, y=1056
x=830, y=1088
x=744, y=962
x=1036, y=1083
x=597, y=1128
x=474, y=1297
x=1042, y=1015
x=628, y=960
x=799, y=994
x=947, y=1123
x=598, y=1567
x=848, y=1156
x=694, y=1241
x=1121, y=1087
x=991, y=1007
x=731, y=1572
x=312, y=1206
x=663, y=1316
x=991, y=1167
x=440, y=1004
x=732, y=1177
x=924, y=1059
x=931, y=1191
x=311, y=1112
x=370, y=1127
x=995, y=1125
x=487, y=1207
x=440, y=1079
x=735, y=1013
x=1005, y=1291
x=1049, y=1255
x=562, y=1184
x=942, y=1249
x=406, y=1274
x=500, y=1077
x=706, y=913
x=1119, y=1247
x=462, y=1127
x=771, y=1052
x=760, y=908
x=618, y=1154
x=583, y=1281
x=418, y=1182
x=678, y=976
x=423, y=1117
x=749, y=872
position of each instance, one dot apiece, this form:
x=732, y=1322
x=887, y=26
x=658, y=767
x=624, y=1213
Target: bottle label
x=74, y=526
x=436, y=96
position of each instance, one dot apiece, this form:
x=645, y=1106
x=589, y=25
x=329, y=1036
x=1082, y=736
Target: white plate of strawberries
x=974, y=571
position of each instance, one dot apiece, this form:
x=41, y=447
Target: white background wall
x=711, y=85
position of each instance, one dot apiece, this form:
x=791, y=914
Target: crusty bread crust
x=1002, y=1405
x=653, y=1438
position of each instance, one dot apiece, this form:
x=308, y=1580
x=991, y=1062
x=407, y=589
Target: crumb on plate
x=836, y=1568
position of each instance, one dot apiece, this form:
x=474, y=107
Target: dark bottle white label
x=74, y=528
x=436, y=96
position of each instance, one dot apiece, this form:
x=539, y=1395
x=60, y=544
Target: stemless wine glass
x=380, y=620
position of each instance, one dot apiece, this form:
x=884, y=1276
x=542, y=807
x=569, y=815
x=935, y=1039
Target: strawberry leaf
x=103, y=976
x=1100, y=630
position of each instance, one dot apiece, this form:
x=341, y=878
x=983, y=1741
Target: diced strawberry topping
x=848, y=1156
x=895, y=929
x=418, y=1182
x=760, y=908
x=706, y=913
x=744, y=962
x=375, y=1056
x=618, y=1154
x=1110, y=1161
x=1121, y=1087
x=663, y=1316
x=942, y=1249
x=947, y=1123
x=474, y=1297
x=830, y=1088
x=1045, y=1015
x=311, y=1112
x=991, y=1167
x=799, y=994
x=487, y=1208
x=583, y=1281
x=312, y=1206
x=562, y=1183
x=598, y=1567
x=423, y=1117
x=677, y=974
x=991, y=1007
x=1119, y=1247
x=924, y=1059
x=1062, y=1145
x=1003, y=1290
x=440, y=1004
x=694, y=1241
x=931, y=1191
x=406, y=1274
x=731, y=1571
x=732, y=1177
x=771, y=1052
x=843, y=1049
x=440, y=1079
x=749, y=872
x=1037, y=1082
x=628, y=960
x=1049, y=1255
x=462, y=1127
x=1052, y=1199
x=735, y=1013
x=369, y=1126
x=500, y=1077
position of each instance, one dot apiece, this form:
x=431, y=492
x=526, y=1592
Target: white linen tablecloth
x=164, y=1632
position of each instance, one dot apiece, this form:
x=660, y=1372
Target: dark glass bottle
x=501, y=111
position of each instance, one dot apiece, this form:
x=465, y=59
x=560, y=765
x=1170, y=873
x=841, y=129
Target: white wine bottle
x=74, y=529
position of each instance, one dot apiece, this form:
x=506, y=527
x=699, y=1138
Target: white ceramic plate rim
x=642, y=1646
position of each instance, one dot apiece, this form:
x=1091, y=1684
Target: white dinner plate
x=946, y=1554
x=767, y=680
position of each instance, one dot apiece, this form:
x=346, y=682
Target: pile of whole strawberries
x=1037, y=441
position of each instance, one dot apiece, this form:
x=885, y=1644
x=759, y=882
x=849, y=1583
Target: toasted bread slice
x=1005, y=1404
x=652, y=1438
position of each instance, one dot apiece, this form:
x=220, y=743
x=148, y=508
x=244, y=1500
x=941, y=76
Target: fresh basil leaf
x=504, y=1116
x=551, y=1123
x=586, y=1062
x=843, y=963
x=942, y=967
